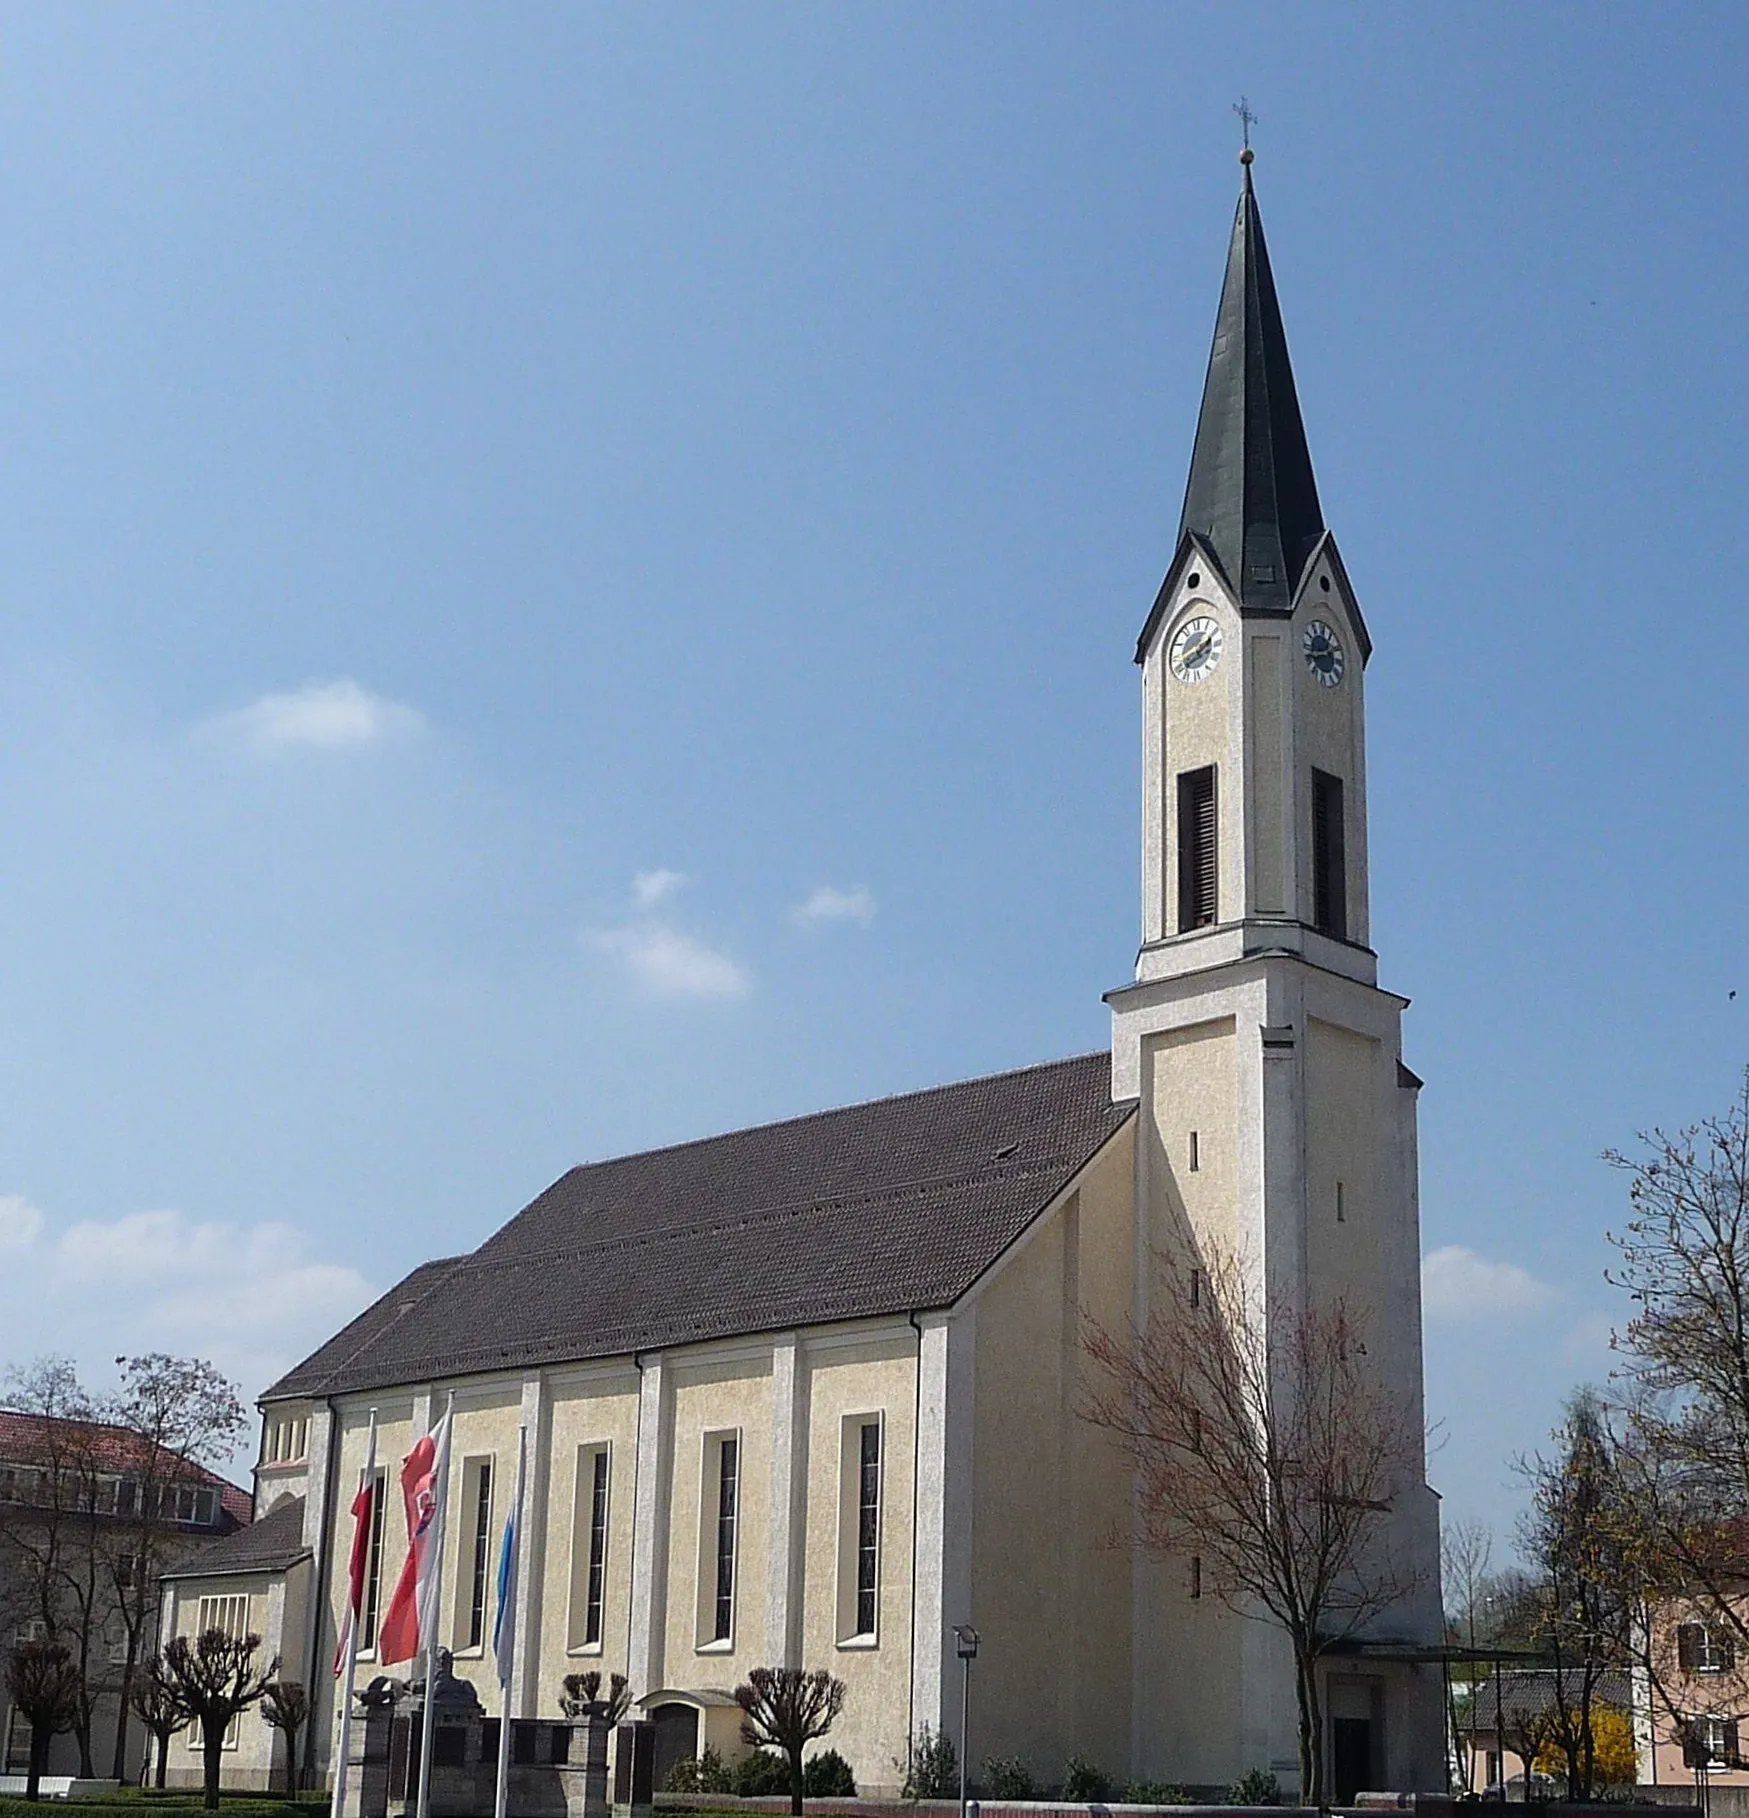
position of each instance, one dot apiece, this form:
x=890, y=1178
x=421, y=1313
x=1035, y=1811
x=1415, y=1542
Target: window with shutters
x=1329, y=875
x=1700, y=1650
x=1198, y=850
x=1710, y=1742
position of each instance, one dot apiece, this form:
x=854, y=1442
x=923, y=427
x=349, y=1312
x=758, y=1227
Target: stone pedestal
x=634, y=1777
x=367, y=1763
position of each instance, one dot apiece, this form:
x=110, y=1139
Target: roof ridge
x=774, y=1211
x=808, y=1117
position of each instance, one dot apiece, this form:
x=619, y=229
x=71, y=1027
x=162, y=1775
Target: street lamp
x=967, y=1639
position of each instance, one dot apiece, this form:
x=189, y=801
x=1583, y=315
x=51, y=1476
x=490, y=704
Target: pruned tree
x=285, y=1706
x=42, y=1681
x=215, y=1679
x=1266, y=1448
x=154, y=1701
x=178, y=1414
x=785, y=1708
x=581, y=1696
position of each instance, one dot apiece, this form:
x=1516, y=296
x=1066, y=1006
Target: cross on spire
x=1247, y=120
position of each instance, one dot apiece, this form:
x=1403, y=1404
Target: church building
x=813, y=1393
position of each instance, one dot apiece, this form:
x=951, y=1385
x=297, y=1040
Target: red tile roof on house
x=38, y=1439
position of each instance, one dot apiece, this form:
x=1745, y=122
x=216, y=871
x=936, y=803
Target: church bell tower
x=1276, y=1118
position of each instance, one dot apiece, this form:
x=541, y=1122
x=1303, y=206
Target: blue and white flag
x=504, y=1628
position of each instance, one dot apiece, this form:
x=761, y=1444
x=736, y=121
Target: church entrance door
x=676, y=1738
x=1350, y=1757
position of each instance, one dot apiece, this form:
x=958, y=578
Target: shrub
x=828, y=1776
x=703, y=1774
x=1154, y=1792
x=1008, y=1777
x=759, y=1774
x=933, y=1770
x=1256, y=1786
x=1083, y=1782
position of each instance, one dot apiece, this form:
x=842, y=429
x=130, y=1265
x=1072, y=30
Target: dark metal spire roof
x=1251, y=494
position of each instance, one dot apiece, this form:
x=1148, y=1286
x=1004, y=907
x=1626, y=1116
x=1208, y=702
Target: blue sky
x=567, y=578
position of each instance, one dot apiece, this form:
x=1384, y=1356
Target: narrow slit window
x=373, y=1576
x=1196, y=1575
x=1198, y=866
x=1195, y=1152
x=482, y=1553
x=596, y=1586
x=868, y=1526
x=1341, y=1207
x=1329, y=876
x=728, y=1496
x=1196, y=1287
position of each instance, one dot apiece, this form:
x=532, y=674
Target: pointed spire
x=1251, y=494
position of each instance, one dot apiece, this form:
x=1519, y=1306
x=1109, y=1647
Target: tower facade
x=1276, y=1124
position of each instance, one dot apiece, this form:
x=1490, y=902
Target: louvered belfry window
x=1198, y=849
x=1329, y=874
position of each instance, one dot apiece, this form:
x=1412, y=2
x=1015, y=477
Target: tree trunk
x=212, y=1736
x=118, y=1765
x=795, y=1782
x=39, y=1759
x=163, y=1757
x=1311, y=1726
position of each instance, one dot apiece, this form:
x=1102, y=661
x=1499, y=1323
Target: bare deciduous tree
x=1265, y=1447
x=1466, y=1549
x=156, y=1704
x=178, y=1413
x=1683, y=1456
x=43, y=1683
x=285, y=1706
x=785, y=1708
x=214, y=1678
x=1578, y=1534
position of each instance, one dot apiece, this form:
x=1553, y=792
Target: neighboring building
x=812, y=1392
x=254, y=1582
x=1702, y=1673
x=80, y=1485
x=1504, y=1722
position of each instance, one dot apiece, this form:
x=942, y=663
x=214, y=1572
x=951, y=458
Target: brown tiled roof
x=41, y=1439
x=887, y=1207
x=271, y=1544
x=1531, y=1693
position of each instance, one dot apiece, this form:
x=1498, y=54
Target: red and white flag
x=362, y=1511
x=410, y=1624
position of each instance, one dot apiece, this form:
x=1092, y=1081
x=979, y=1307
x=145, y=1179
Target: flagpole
x=441, y=1490
x=506, y=1665
x=366, y=1478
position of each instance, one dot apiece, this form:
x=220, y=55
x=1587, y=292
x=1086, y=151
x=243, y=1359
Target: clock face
x=1323, y=653
x=1196, y=650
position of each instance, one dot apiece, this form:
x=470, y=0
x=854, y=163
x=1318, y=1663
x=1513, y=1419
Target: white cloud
x=250, y=1297
x=666, y=963
x=652, y=887
x=1458, y=1284
x=20, y=1222
x=321, y=716
x=827, y=904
